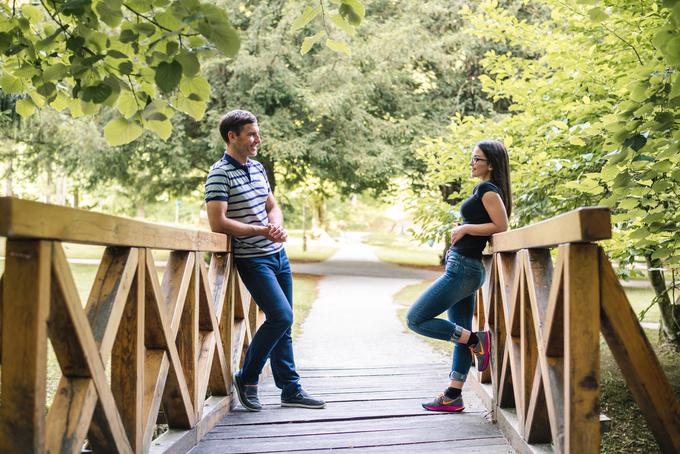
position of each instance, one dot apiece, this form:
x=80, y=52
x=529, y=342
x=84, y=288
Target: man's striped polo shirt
x=245, y=188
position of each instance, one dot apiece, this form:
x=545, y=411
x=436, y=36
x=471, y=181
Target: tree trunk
x=49, y=189
x=319, y=219
x=9, y=190
x=670, y=310
x=76, y=197
x=141, y=213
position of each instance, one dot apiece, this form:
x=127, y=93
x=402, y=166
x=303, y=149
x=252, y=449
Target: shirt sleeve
x=485, y=187
x=217, y=186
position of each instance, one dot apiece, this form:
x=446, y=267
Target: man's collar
x=235, y=162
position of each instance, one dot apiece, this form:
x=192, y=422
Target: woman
x=484, y=213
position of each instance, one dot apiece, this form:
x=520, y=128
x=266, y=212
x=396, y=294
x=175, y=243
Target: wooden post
x=26, y=302
x=581, y=349
x=127, y=360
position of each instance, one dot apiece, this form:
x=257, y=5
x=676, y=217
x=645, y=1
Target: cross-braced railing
x=550, y=291
x=137, y=346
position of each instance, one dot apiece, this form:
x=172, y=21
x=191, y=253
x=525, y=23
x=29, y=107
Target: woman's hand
x=458, y=232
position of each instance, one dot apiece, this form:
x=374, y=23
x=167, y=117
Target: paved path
x=354, y=321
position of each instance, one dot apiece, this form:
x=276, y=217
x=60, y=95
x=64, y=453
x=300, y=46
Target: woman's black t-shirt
x=473, y=212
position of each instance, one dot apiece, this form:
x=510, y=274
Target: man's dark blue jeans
x=270, y=282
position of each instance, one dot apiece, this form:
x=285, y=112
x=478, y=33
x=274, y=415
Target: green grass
x=640, y=299
x=403, y=250
x=304, y=294
x=630, y=433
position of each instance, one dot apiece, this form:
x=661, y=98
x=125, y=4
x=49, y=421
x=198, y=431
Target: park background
x=369, y=112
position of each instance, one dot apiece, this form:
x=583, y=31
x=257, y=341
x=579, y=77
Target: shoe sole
x=445, y=408
x=314, y=407
x=241, y=398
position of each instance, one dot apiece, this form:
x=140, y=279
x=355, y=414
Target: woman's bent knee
x=412, y=321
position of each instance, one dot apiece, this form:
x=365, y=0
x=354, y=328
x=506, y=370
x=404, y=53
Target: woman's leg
x=460, y=315
x=459, y=281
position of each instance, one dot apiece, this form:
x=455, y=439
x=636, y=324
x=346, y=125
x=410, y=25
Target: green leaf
x=195, y=109
x=109, y=12
x=189, y=62
x=338, y=46
x=639, y=91
x=55, y=72
x=597, y=14
x=113, y=53
x=577, y=141
x=216, y=27
x=342, y=24
x=145, y=28
x=47, y=90
x=128, y=36
x=168, y=76
x=126, y=104
x=306, y=17
x=75, y=7
x=96, y=94
x=61, y=102
x=33, y=13
x=225, y=37
x=309, y=42
x=168, y=20
x=162, y=128
x=197, y=85
x=11, y=85
x=671, y=50
x=353, y=11
x=125, y=67
x=629, y=203
x=120, y=131
x=25, y=107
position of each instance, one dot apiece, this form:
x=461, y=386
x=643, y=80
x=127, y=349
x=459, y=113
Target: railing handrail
x=28, y=219
x=582, y=225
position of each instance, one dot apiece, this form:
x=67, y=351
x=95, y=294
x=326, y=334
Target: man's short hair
x=234, y=121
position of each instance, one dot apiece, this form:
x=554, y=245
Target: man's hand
x=458, y=232
x=276, y=233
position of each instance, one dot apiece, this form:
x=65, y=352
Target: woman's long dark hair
x=497, y=155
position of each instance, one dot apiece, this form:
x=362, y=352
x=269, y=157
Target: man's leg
x=259, y=276
x=282, y=358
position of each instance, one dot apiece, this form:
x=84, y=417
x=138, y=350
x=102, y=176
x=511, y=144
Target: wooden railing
x=550, y=291
x=140, y=347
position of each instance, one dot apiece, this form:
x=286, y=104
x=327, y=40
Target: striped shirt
x=245, y=188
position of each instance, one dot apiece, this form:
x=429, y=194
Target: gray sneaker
x=247, y=395
x=303, y=400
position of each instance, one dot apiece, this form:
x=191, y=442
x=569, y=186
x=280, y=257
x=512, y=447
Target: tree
x=81, y=55
x=593, y=102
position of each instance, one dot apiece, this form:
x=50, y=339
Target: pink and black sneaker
x=444, y=403
x=482, y=350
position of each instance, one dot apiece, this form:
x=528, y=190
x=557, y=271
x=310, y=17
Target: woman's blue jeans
x=269, y=280
x=453, y=292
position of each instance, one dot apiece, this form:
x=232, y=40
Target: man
x=240, y=203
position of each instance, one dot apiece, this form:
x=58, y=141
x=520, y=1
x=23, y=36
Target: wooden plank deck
x=370, y=410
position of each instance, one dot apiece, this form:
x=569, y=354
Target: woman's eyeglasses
x=476, y=159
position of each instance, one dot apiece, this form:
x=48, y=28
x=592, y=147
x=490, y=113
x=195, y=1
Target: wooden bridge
x=143, y=351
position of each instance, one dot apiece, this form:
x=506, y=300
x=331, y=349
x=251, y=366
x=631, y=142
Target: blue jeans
x=270, y=282
x=454, y=292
